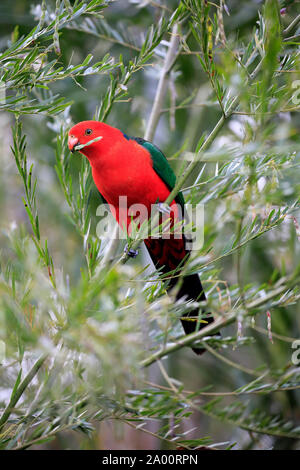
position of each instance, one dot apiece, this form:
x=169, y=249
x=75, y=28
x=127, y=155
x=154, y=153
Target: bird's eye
x=88, y=131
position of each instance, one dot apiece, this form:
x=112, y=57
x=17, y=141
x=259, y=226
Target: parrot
x=133, y=167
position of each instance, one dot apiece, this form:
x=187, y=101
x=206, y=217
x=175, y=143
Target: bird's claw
x=164, y=208
x=131, y=253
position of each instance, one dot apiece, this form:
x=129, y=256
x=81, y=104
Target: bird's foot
x=164, y=208
x=131, y=253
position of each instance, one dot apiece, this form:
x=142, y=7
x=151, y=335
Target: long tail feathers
x=167, y=255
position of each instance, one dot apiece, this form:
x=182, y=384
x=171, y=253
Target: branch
x=162, y=84
x=219, y=323
x=16, y=395
x=292, y=24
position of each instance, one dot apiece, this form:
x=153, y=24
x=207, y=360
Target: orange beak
x=72, y=142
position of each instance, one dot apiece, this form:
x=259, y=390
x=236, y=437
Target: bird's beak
x=73, y=142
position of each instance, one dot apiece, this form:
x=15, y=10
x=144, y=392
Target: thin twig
x=216, y=325
x=140, y=428
x=292, y=24
x=231, y=363
x=21, y=388
x=162, y=84
x=224, y=394
x=292, y=38
x=286, y=339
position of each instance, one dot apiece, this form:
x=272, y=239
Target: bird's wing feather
x=161, y=166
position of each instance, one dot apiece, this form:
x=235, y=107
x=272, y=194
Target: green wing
x=161, y=166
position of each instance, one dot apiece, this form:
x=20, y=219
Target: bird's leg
x=131, y=253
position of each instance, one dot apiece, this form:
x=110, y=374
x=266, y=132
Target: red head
x=86, y=131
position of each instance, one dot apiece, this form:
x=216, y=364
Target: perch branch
x=214, y=327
